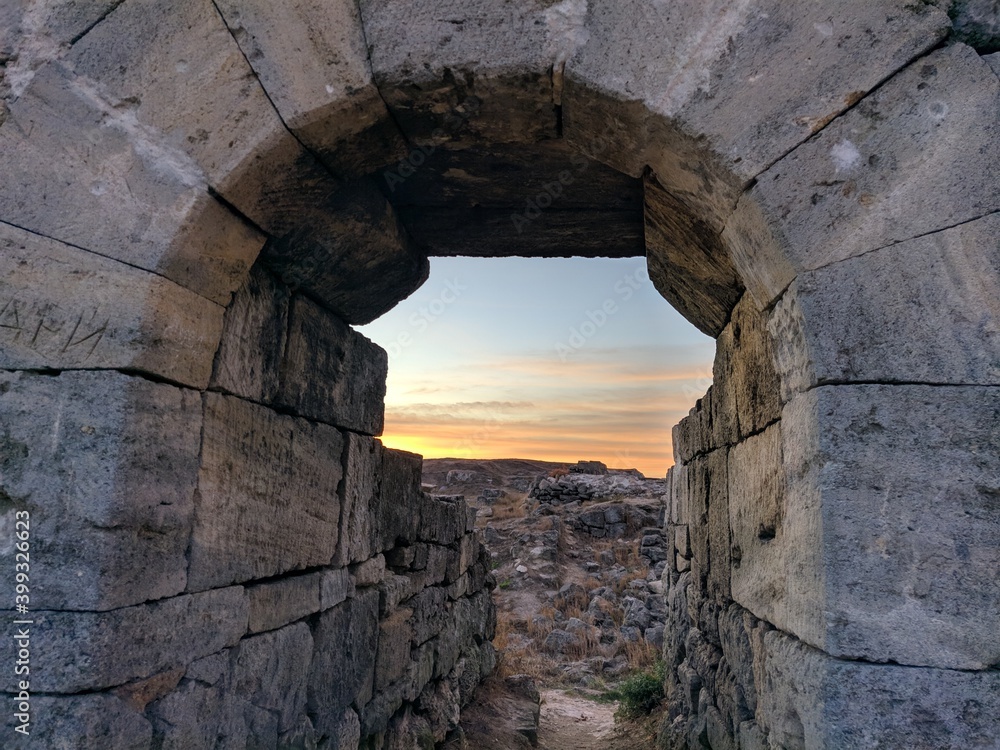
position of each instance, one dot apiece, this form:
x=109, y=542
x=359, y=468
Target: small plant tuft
x=640, y=693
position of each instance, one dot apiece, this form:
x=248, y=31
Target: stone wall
x=243, y=566
x=754, y=565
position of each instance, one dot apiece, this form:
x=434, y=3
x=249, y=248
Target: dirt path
x=570, y=722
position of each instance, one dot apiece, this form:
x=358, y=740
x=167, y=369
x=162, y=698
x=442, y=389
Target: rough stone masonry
x=193, y=214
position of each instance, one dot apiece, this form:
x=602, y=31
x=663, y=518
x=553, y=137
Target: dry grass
x=509, y=507
x=640, y=655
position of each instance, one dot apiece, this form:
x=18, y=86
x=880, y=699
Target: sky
x=552, y=359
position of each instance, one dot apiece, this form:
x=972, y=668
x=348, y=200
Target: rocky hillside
x=577, y=552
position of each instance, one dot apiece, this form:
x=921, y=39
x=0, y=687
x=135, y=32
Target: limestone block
x=393, y=659
x=106, y=465
x=914, y=157
x=346, y=248
x=906, y=479
x=343, y=666
x=270, y=672
x=204, y=706
x=777, y=570
x=64, y=308
x=90, y=720
x=267, y=494
x=174, y=71
x=994, y=62
x=718, y=525
x=276, y=603
x=809, y=699
x=85, y=651
x=397, y=516
x=347, y=734
x=748, y=375
x=248, y=362
x=712, y=69
x=312, y=60
x=332, y=373
x=699, y=487
x=735, y=623
x=688, y=263
x=369, y=573
x=926, y=310
x=392, y=591
x=119, y=190
x=36, y=33
x=441, y=88
x=441, y=521
x=335, y=586
x=696, y=434
x=430, y=614
x=359, y=492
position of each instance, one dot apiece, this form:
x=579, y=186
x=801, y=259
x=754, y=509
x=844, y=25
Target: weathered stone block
x=248, y=362
x=397, y=515
x=394, y=642
x=879, y=317
x=436, y=85
x=369, y=573
x=903, y=482
x=312, y=60
x=94, y=720
x=762, y=537
x=143, y=201
x=345, y=247
x=277, y=603
x=267, y=494
x=343, y=666
x=688, y=263
x=63, y=308
x=174, y=71
x=335, y=586
x=808, y=699
x=718, y=525
x=106, y=466
x=683, y=69
x=332, y=373
x=430, y=614
x=863, y=183
x=85, y=651
x=750, y=375
x=205, y=706
x=363, y=458
x=270, y=673
x=441, y=521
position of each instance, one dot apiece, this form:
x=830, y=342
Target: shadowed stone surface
x=331, y=372
x=267, y=494
x=312, y=60
x=83, y=650
x=106, y=466
x=65, y=308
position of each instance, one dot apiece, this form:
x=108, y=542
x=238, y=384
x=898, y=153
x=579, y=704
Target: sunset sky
x=549, y=358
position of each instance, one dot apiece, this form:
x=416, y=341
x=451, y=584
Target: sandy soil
x=569, y=722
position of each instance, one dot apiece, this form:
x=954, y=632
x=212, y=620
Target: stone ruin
x=200, y=198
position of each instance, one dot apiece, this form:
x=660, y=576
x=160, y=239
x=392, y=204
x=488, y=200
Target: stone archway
x=818, y=195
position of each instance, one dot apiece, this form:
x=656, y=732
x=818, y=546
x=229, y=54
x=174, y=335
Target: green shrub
x=640, y=693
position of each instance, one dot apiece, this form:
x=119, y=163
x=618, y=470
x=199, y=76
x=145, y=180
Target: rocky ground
x=577, y=553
